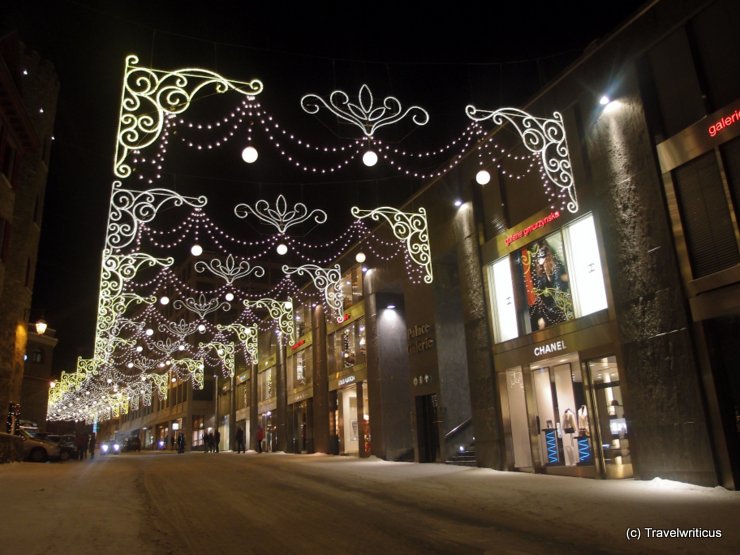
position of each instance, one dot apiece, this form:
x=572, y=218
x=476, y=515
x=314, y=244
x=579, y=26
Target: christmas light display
x=543, y=136
x=229, y=271
x=149, y=94
x=225, y=352
x=328, y=280
x=202, y=306
x=364, y=113
x=408, y=227
x=280, y=216
x=281, y=312
x=248, y=335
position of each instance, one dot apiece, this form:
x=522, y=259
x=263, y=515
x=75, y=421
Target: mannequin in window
x=583, y=421
x=569, y=422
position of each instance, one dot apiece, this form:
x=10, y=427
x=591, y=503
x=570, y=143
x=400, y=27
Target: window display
x=547, y=285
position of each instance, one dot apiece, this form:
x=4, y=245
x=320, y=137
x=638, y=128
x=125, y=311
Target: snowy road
x=226, y=503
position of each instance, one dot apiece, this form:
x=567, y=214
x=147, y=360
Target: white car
x=38, y=450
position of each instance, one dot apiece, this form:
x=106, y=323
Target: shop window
x=348, y=345
x=705, y=216
x=502, y=297
x=37, y=356
x=302, y=316
x=352, y=286
x=555, y=279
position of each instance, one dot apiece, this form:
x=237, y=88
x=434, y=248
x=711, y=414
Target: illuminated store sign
x=529, y=229
x=549, y=348
x=723, y=123
x=347, y=380
x=298, y=344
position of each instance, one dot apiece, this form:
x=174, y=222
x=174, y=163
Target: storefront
x=555, y=352
x=299, y=360
x=349, y=415
x=267, y=400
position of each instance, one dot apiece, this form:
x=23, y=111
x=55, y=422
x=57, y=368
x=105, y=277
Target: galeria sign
x=723, y=123
x=553, y=347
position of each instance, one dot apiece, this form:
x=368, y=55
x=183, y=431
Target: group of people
x=212, y=441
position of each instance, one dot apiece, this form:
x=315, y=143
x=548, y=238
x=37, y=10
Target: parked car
x=110, y=447
x=36, y=449
x=132, y=443
x=66, y=442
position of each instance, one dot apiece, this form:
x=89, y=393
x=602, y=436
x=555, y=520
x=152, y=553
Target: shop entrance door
x=427, y=428
x=612, y=436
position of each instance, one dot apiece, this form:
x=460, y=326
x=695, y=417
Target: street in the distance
x=167, y=503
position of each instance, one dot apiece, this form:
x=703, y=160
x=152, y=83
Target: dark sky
x=490, y=54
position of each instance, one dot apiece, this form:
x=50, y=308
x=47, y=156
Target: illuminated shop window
x=352, y=286
x=557, y=278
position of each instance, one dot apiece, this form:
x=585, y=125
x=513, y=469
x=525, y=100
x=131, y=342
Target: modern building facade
x=28, y=95
x=591, y=337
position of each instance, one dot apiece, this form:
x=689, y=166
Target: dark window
x=710, y=237
x=7, y=161
x=731, y=159
x=4, y=239
x=37, y=355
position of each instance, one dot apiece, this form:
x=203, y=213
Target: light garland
x=281, y=312
x=328, y=280
x=543, y=136
x=280, y=217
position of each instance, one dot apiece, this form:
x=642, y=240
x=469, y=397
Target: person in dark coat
x=260, y=438
x=240, y=440
x=81, y=442
x=181, y=443
x=216, y=440
x=92, y=445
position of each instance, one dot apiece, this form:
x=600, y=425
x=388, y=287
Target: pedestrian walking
x=181, y=443
x=92, y=445
x=260, y=438
x=209, y=442
x=216, y=440
x=81, y=441
x=240, y=440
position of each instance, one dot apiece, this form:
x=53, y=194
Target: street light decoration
x=202, y=306
x=410, y=227
x=248, y=335
x=543, y=136
x=364, y=113
x=328, y=280
x=280, y=217
x=229, y=271
x=149, y=94
x=281, y=312
x=225, y=352
x=130, y=208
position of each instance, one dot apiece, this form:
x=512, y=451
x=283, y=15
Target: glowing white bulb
x=482, y=177
x=130, y=365
x=149, y=332
x=196, y=250
x=201, y=328
x=282, y=249
x=360, y=257
x=249, y=155
x=604, y=100
x=288, y=305
x=139, y=348
x=220, y=352
x=458, y=202
x=369, y=158
x=229, y=297
x=181, y=347
x=164, y=300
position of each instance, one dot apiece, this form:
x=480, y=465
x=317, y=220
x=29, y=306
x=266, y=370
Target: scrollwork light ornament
x=229, y=271
x=195, y=368
x=328, y=280
x=281, y=312
x=160, y=381
x=179, y=329
x=202, y=306
x=364, y=113
x=280, y=217
x=130, y=208
x=543, y=136
x=149, y=94
x=409, y=227
x=225, y=351
x=247, y=335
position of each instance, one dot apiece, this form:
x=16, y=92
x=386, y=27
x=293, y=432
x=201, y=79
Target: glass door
x=610, y=423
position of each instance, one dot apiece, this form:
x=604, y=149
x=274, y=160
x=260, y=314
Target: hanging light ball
x=196, y=250
x=181, y=347
x=164, y=300
x=249, y=155
x=139, y=348
x=282, y=248
x=369, y=158
x=482, y=177
x=360, y=257
x=149, y=332
x=201, y=328
x=229, y=296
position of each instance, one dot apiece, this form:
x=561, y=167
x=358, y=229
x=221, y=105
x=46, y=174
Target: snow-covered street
x=161, y=503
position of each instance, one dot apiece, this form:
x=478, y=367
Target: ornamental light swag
x=281, y=312
x=248, y=335
x=229, y=271
x=149, y=94
x=280, y=217
x=543, y=136
x=328, y=280
x=409, y=227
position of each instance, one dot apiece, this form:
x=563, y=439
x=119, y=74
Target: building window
x=37, y=356
x=352, y=286
x=348, y=346
x=558, y=278
x=4, y=239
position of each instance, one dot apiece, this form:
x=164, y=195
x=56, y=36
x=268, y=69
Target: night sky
x=441, y=58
